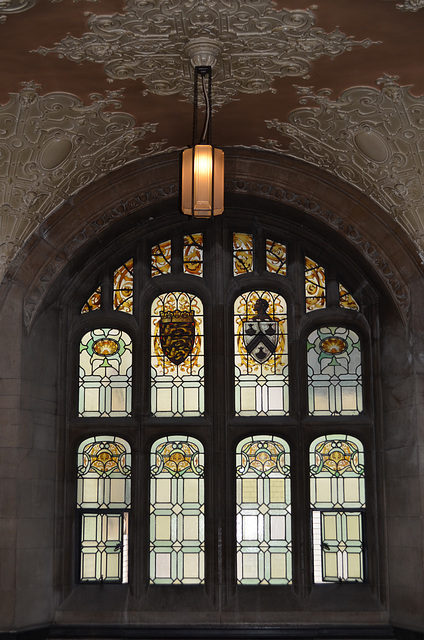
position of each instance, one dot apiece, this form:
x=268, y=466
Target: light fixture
x=202, y=188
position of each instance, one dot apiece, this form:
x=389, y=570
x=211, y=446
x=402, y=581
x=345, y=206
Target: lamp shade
x=202, y=188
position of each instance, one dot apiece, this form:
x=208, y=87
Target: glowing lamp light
x=202, y=177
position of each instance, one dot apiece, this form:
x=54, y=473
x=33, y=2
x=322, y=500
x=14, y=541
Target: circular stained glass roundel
x=333, y=345
x=105, y=347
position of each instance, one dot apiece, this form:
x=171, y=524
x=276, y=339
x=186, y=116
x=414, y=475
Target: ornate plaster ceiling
x=90, y=85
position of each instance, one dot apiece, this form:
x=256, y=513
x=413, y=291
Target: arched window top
x=334, y=372
x=105, y=373
x=337, y=455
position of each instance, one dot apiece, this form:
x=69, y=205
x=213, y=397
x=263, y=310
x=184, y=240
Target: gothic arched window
x=235, y=360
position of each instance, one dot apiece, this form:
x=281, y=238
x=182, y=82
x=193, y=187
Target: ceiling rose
x=249, y=44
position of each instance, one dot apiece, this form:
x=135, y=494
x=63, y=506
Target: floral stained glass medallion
x=104, y=500
x=263, y=511
x=314, y=285
x=346, y=300
x=161, y=258
x=261, y=369
x=276, y=258
x=123, y=287
x=177, y=536
x=334, y=372
x=105, y=377
x=193, y=254
x=177, y=355
x=93, y=302
x=337, y=486
x=242, y=253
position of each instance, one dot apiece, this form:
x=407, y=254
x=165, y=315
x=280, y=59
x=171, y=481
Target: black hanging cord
x=207, y=94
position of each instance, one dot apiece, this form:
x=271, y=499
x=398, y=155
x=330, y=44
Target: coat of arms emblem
x=177, y=332
x=260, y=333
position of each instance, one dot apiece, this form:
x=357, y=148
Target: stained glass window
x=263, y=511
x=242, y=253
x=177, y=355
x=123, y=287
x=334, y=372
x=104, y=500
x=93, y=302
x=314, y=285
x=260, y=345
x=161, y=258
x=276, y=257
x=193, y=254
x=337, y=501
x=177, y=511
x=346, y=300
x=105, y=374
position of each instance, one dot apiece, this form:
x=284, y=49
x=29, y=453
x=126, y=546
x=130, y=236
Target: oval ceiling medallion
x=55, y=152
x=333, y=345
x=372, y=145
x=106, y=347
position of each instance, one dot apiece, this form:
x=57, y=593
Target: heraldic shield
x=177, y=332
x=260, y=334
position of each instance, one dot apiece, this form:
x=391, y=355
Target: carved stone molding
x=372, y=138
x=52, y=146
x=255, y=43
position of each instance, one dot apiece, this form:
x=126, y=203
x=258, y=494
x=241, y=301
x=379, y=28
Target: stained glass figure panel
x=347, y=301
x=177, y=383
x=193, y=254
x=123, y=287
x=177, y=539
x=314, y=285
x=260, y=346
x=276, y=257
x=105, y=374
x=242, y=253
x=93, y=302
x=263, y=511
x=161, y=258
x=334, y=372
x=104, y=500
x=337, y=490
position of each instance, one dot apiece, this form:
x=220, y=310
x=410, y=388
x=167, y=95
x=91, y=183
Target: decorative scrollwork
x=250, y=44
x=369, y=137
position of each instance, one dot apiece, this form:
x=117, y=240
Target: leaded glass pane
x=123, y=287
x=193, y=254
x=104, y=547
x=347, y=301
x=105, y=370
x=177, y=511
x=337, y=489
x=177, y=355
x=263, y=511
x=161, y=258
x=103, y=485
x=334, y=372
x=314, y=285
x=242, y=253
x=104, y=473
x=276, y=257
x=260, y=345
x=93, y=302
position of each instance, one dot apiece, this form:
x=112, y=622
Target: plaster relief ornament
x=247, y=43
x=51, y=147
x=8, y=7
x=371, y=138
x=411, y=5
